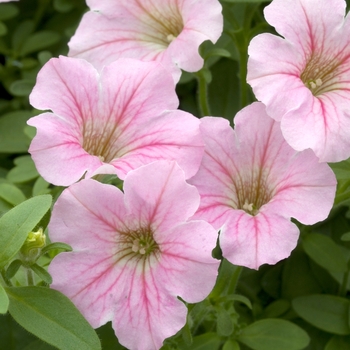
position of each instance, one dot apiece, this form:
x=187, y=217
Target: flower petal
x=162, y=199
x=255, y=240
x=187, y=267
x=69, y=87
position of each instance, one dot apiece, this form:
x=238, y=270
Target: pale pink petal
x=308, y=23
x=174, y=135
x=69, y=88
x=326, y=122
x=278, y=68
x=134, y=253
x=303, y=194
x=214, y=177
x=186, y=267
x=90, y=281
x=96, y=209
x=304, y=78
x=57, y=153
x=251, y=176
x=149, y=312
x=153, y=201
x=125, y=100
x=255, y=240
x=169, y=31
x=128, y=119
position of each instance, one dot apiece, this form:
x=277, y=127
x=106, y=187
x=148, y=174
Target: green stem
x=6, y=280
x=203, y=94
x=227, y=280
x=234, y=280
x=30, y=276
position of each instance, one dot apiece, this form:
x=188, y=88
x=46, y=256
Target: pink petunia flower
x=252, y=182
x=109, y=123
x=134, y=253
x=304, y=79
x=168, y=31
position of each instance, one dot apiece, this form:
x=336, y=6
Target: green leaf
x=12, y=194
x=63, y=5
x=24, y=170
x=271, y=333
x=13, y=268
x=8, y=11
x=3, y=28
x=44, y=57
x=242, y=299
x=4, y=300
x=224, y=324
x=341, y=169
x=38, y=345
x=222, y=92
x=338, y=343
x=326, y=312
x=42, y=273
x=52, y=317
x=207, y=341
x=276, y=308
x=12, y=137
x=231, y=345
x=21, y=34
x=22, y=87
x=324, y=252
x=13, y=336
x=297, y=277
x=40, y=187
x=18, y=222
x=56, y=245
x=345, y=236
x=39, y=41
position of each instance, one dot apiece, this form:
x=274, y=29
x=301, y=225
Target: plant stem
x=227, y=280
x=30, y=276
x=203, y=94
x=6, y=280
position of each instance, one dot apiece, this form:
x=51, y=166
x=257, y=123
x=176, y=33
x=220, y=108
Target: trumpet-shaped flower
x=169, y=31
x=304, y=79
x=134, y=253
x=109, y=123
x=252, y=182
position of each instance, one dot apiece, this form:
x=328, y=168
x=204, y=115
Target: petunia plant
x=164, y=180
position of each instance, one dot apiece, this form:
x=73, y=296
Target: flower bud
x=31, y=248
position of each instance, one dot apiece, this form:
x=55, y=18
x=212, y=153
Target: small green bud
x=32, y=247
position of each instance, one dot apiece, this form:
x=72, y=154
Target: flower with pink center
x=134, y=253
x=109, y=123
x=168, y=31
x=251, y=183
x=304, y=79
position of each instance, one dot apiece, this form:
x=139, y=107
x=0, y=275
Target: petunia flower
x=134, y=253
x=109, y=123
x=251, y=183
x=168, y=31
x=304, y=78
